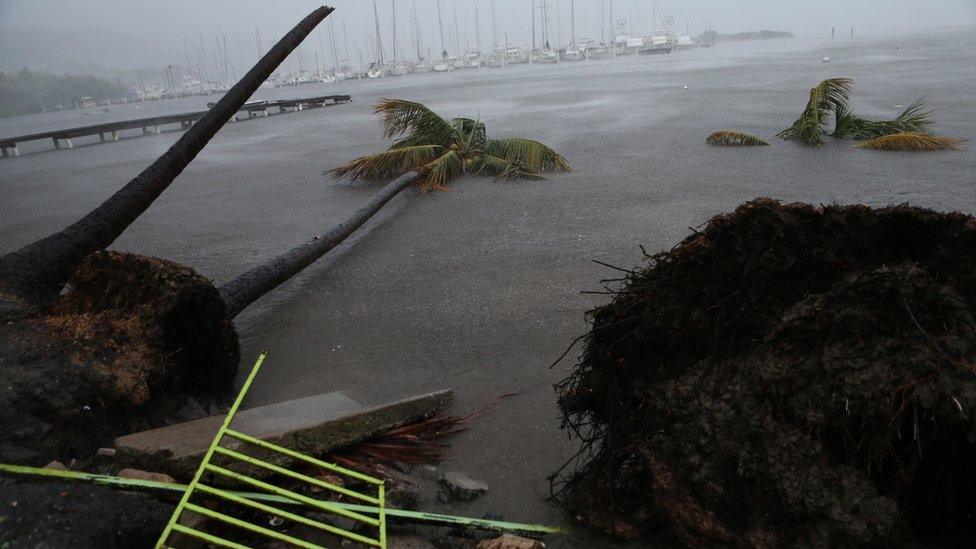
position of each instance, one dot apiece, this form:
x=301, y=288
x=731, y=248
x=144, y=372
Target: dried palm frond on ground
x=824, y=99
x=414, y=443
x=787, y=376
x=913, y=142
x=914, y=119
x=727, y=138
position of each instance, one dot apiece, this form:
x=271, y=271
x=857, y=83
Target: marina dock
x=109, y=131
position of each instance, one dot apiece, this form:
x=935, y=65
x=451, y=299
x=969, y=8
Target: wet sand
x=478, y=289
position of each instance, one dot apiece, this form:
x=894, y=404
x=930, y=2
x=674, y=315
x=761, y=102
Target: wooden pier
x=109, y=131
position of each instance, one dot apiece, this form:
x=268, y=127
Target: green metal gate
x=375, y=522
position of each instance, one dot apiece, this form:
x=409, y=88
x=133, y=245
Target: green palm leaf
x=914, y=119
x=390, y=163
x=828, y=96
x=408, y=117
x=528, y=153
x=500, y=167
x=472, y=131
x=441, y=150
x=439, y=171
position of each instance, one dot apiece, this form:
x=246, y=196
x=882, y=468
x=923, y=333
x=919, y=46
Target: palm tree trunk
x=36, y=271
x=248, y=287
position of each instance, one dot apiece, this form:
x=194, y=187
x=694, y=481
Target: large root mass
x=127, y=342
x=789, y=374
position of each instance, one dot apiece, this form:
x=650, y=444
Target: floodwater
x=478, y=289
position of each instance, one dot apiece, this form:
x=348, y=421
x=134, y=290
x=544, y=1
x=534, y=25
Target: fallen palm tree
x=101, y=343
x=914, y=119
x=440, y=150
x=825, y=98
x=789, y=375
x=832, y=96
x=909, y=141
x=727, y=138
x=97, y=343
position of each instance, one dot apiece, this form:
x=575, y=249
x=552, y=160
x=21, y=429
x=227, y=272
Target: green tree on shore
x=27, y=91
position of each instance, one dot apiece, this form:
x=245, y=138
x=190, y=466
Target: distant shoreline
x=753, y=35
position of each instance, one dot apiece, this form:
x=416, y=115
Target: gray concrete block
x=313, y=425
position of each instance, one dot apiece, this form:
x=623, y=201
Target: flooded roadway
x=478, y=289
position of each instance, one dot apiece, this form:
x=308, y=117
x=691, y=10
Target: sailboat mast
x=572, y=23
x=415, y=28
x=335, y=54
x=613, y=24
x=545, y=25
x=457, y=37
x=379, y=41
x=494, y=27
x=477, y=29
x=393, y=18
x=533, y=24
x=440, y=24
x=257, y=38
x=603, y=22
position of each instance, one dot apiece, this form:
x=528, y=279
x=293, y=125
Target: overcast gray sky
x=125, y=34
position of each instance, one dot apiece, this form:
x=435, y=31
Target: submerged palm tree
x=833, y=95
x=909, y=141
x=728, y=138
x=35, y=273
x=439, y=150
x=915, y=119
x=825, y=98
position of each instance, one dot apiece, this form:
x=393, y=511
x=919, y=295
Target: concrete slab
x=314, y=425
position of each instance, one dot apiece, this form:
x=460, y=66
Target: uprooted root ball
x=129, y=336
x=789, y=374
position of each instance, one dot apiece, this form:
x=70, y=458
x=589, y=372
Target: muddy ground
x=479, y=289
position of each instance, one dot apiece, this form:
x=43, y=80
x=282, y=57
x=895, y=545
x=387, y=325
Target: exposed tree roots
x=129, y=341
x=789, y=375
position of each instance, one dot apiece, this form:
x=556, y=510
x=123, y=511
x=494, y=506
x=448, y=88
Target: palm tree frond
x=500, y=167
x=439, y=171
x=828, y=96
x=914, y=119
x=727, y=138
x=409, y=117
x=908, y=141
x=390, y=163
x=472, y=131
x=526, y=152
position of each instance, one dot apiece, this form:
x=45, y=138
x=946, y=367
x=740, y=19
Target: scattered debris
x=387, y=454
x=458, y=487
x=56, y=465
x=412, y=541
x=788, y=375
x=493, y=524
x=139, y=474
x=69, y=514
x=508, y=541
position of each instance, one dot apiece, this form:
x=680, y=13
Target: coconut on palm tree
x=439, y=150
